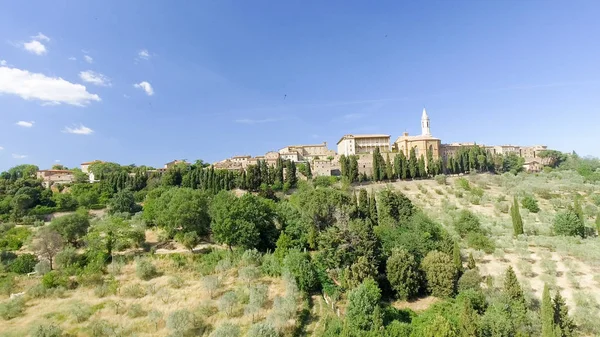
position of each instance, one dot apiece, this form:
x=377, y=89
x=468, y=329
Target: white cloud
x=49, y=90
x=146, y=86
x=256, y=121
x=94, y=78
x=72, y=58
x=41, y=37
x=25, y=124
x=19, y=156
x=144, y=54
x=57, y=161
x=2, y=62
x=78, y=130
x=88, y=59
x=35, y=47
x=1, y=148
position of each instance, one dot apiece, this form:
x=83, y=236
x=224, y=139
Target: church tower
x=425, y=124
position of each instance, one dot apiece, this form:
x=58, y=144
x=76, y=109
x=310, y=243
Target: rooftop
x=364, y=136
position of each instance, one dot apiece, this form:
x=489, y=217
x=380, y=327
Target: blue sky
x=147, y=82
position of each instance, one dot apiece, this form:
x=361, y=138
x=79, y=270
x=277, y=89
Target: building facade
x=50, y=177
x=350, y=145
x=422, y=143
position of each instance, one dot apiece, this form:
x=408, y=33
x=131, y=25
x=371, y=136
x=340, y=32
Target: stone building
x=356, y=144
x=306, y=152
x=50, y=177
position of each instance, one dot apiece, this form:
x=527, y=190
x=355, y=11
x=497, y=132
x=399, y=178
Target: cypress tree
x=457, y=258
x=421, y=167
x=598, y=223
x=471, y=262
x=353, y=175
x=376, y=164
x=308, y=170
x=547, y=314
x=468, y=320
x=430, y=164
x=403, y=166
x=363, y=204
x=512, y=288
x=389, y=170
x=515, y=215
x=563, y=324
x=373, y=209
x=578, y=210
x=412, y=163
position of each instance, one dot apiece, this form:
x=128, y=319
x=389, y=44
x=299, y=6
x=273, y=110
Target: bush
x=7, y=284
x=467, y=223
x=249, y=273
x=530, y=204
x=469, y=280
x=54, y=279
x=227, y=302
x=145, y=270
x=14, y=238
x=136, y=310
x=440, y=273
x=567, y=223
x=42, y=267
x=181, y=321
x=480, y=242
x=440, y=179
x=101, y=328
x=226, y=330
x=12, y=308
x=271, y=265
x=362, y=301
x=463, y=183
x=301, y=267
x=46, y=330
x=176, y=282
x=263, y=329
x=23, y=264
x=134, y=291
x=251, y=257
x=81, y=312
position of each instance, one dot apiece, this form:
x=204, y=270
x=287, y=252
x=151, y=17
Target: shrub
x=263, y=329
x=530, y=204
x=569, y=224
x=440, y=179
x=42, y=267
x=12, y=308
x=134, y=291
x=23, y=264
x=7, y=284
x=440, y=273
x=46, y=330
x=136, y=310
x=470, y=279
x=251, y=257
x=101, y=328
x=481, y=242
x=227, y=302
x=106, y=289
x=67, y=257
x=81, y=312
x=301, y=267
x=271, y=266
x=249, y=273
x=13, y=238
x=226, y=330
x=181, y=321
x=463, y=183
x=362, y=301
x=176, y=282
x=145, y=270
x=54, y=279
x=466, y=223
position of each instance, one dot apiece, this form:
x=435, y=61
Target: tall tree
x=376, y=165
x=468, y=320
x=471, y=262
x=563, y=324
x=547, y=314
x=403, y=274
x=412, y=164
x=308, y=170
x=373, y=209
x=578, y=210
x=598, y=223
x=512, y=288
x=515, y=215
x=456, y=257
x=422, y=172
x=403, y=165
x=389, y=169
x=363, y=204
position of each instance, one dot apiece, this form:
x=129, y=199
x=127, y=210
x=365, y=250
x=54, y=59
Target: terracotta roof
x=420, y=137
x=92, y=162
x=56, y=171
x=364, y=136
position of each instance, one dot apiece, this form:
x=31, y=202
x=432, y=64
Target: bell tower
x=425, y=131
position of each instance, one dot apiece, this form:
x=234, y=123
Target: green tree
x=467, y=223
x=517, y=221
x=403, y=163
x=568, y=223
x=377, y=165
x=178, y=210
x=403, y=274
x=578, y=210
x=389, y=169
x=457, y=258
x=363, y=204
x=113, y=234
x=394, y=206
x=598, y=223
x=468, y=320
x=190, y=240
x=47, y=243
x=362, y=302
x=512, y=288
x=440, y=272
x=123, y=202
x=373, y=209
x=564, y=325
x=422, y=172
x=547, y=314
x=300, y=266
x=471, y=262
x=530, y=204
x=412, y=163
x=247, y=221
x=72, y=227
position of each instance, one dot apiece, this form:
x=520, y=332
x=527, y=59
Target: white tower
x=425, y=124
